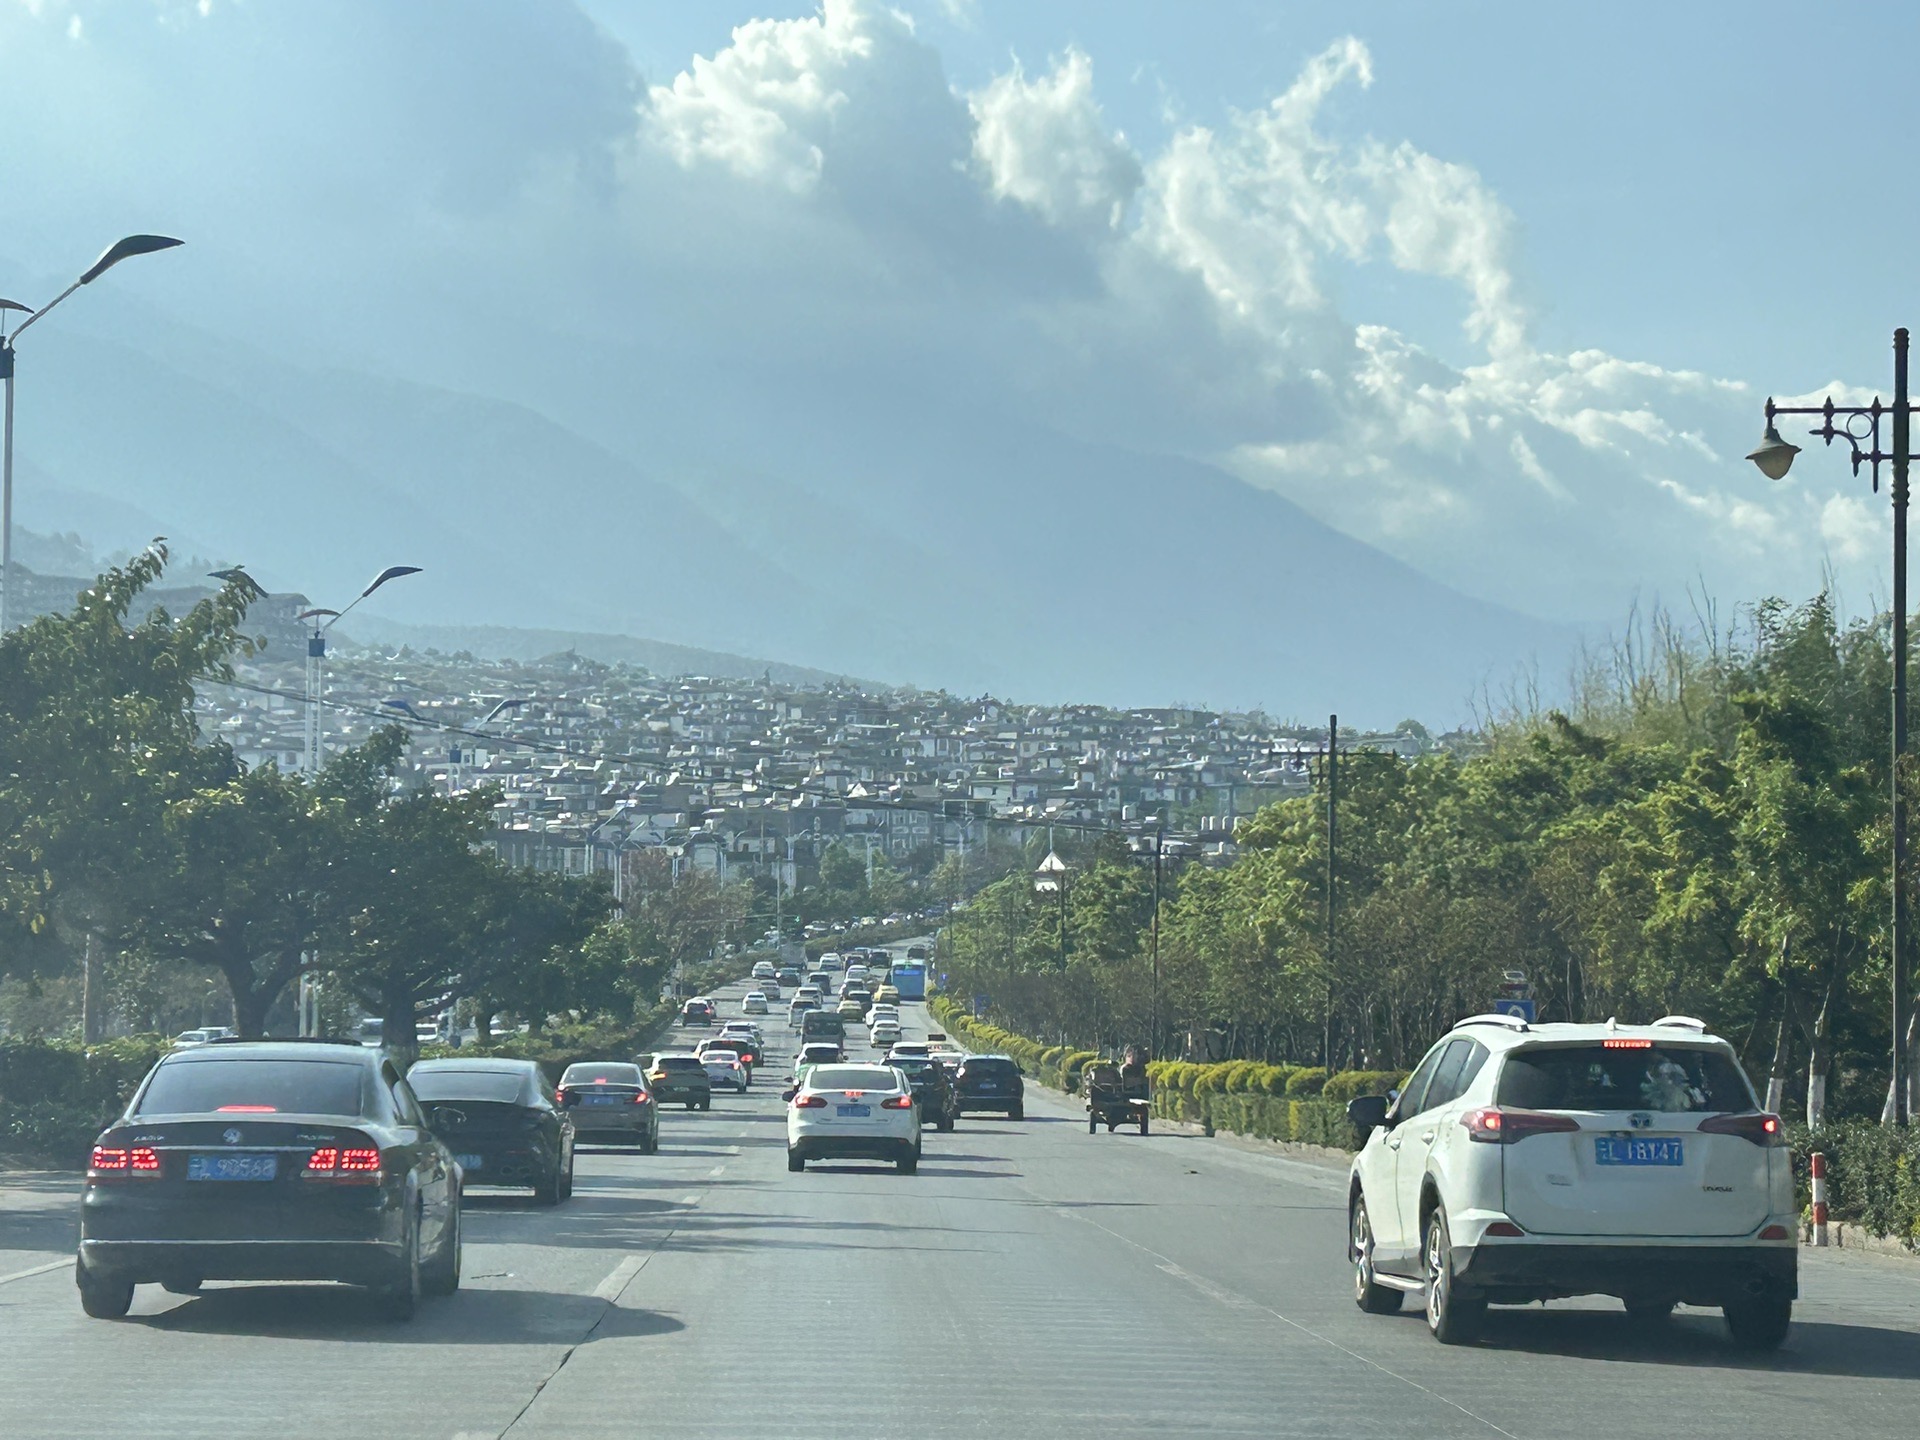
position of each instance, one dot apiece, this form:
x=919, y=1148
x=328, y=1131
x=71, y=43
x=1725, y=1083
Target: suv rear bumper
x=1691, y=1274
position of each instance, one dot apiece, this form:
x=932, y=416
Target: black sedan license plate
x=232, y=1167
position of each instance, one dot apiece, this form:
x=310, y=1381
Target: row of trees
x=1704, y=834
x=142, y=861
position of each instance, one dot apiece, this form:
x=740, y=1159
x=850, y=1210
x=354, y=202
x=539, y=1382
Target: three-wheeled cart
x=1114, y=1098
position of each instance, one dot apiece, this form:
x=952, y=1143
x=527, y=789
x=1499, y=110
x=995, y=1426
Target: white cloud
x=1042, y=143
x=764, y=107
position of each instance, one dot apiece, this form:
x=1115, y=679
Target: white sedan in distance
x=754, y=1004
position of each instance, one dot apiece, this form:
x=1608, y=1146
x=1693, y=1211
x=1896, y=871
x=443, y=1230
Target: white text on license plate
x=1633, y=1150
x=853, y=1111
x=232, y=1167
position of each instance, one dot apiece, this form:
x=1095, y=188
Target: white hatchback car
x=754, y=1004
x=883, y=1033
x=1531, y=1162
x=862, y=1112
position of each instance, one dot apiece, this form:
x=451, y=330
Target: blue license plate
x=603, y=1099
x=1630, y=1150
x=468, y=1162
x=232, y=1167
x=853, y=1112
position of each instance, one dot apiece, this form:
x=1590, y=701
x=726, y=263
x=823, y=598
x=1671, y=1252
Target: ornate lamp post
x=1859, y=426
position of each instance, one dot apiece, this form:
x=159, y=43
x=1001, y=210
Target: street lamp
x=323, y=621
x=1159, y=856
x=1860, y=427
x=110, y=257
x=1050, y=878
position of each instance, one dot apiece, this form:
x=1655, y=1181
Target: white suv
x=1531, y=1162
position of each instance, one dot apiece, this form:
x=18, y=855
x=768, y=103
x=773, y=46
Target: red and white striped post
x=1817, y=1168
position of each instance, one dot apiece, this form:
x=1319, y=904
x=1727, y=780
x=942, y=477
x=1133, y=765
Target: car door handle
x=1426, y=1137
x=1394, y=1144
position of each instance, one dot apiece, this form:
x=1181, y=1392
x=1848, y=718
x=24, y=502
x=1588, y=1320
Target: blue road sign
x=1520, y=1009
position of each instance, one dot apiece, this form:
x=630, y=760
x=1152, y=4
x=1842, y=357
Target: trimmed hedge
x=1873, y=1175
x=1351, y=1084
x=558, y=1046
x=57, y=1096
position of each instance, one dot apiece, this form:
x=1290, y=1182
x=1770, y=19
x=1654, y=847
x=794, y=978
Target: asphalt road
x=1030, y=1281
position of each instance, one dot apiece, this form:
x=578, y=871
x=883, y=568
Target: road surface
x=1029, y=1281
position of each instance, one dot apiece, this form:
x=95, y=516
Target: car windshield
x=601, y=1075
x=1663, y=1078
x=499, y=1087
x=244, y=1085
x=852, y=1077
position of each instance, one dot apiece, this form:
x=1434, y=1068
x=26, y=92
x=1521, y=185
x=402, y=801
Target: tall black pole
x=1333, y=838
x=1901, y=429
x=1153, y=1037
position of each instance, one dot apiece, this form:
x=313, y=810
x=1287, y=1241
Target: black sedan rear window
x=1665, y=1078
x=499, y=1087
x=241, y=1086
x=974, y=1068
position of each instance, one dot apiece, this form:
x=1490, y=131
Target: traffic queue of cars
x=301, y=1160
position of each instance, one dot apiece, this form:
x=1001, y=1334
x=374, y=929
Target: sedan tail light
x=560, y=1095
x=640, y=1097
x=113, y=1163
x=355, y=1165
x=809, y=1102
x=1762, y=1129
x=1495, y=1126
x=898, y=1102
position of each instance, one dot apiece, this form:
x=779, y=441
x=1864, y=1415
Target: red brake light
x=248, y=1110
x=560, y=1092
x=640, y=1097
x=1762, y=1129
x=899, y=1102
x=107, y=1159
x=357, y=1166
x=143, y=1159
x=809, y=1102
x=855, y=1094
x=1618, y=1044
x=1776, y=1232
x=1495, y=1126
x=601, y=1080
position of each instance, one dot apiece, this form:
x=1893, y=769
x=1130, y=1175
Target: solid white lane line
x=619, y=1277
x=37, y=1270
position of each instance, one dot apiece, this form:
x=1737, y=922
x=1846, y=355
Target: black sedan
x=609, y=1098
x=270, y=1161
x=989, y=1082
x=502, y=1122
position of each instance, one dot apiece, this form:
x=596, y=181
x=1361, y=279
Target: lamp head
x=1774, y=456
x=125, y=250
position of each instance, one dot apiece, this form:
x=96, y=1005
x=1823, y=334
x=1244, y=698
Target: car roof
x=1508, y=1032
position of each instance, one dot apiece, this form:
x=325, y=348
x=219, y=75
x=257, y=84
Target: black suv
x=989, y=1082
x=931, y=1088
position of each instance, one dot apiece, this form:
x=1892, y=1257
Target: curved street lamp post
x=120, y=250
x=1859, y=426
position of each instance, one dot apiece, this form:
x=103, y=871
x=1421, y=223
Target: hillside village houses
x=594, y=764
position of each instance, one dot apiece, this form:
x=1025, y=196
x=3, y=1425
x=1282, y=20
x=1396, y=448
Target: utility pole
x=1333, y=903
x=1153, y=1037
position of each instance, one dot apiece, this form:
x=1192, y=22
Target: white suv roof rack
x=1683, y=1022
x=1509, y=1022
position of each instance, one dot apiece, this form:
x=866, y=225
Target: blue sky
x=1497, y=289
x=1692, y=185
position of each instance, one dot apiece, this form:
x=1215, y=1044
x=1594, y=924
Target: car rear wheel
x=650, y=1142
x=399, y=1298
x=908, y=1164
x=102, y=1297
x=442, y=1276
x=1758, y=1324
x=546, y=1190
x=1368, y=1294
x=796, y=1162
x=1018, y=1112
x=1453, y=1314
x=566, y=1181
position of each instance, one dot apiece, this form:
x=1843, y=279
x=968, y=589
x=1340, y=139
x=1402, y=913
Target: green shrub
x=1350, y=1084
x=1307, y=1083
x=56, y=1096
x=1277, y=1078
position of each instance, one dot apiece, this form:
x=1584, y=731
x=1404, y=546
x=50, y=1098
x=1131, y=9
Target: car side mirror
x=788, y=1095
x=1366, y=1113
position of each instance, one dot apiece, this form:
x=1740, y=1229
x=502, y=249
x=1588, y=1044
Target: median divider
x=1289, y=1103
